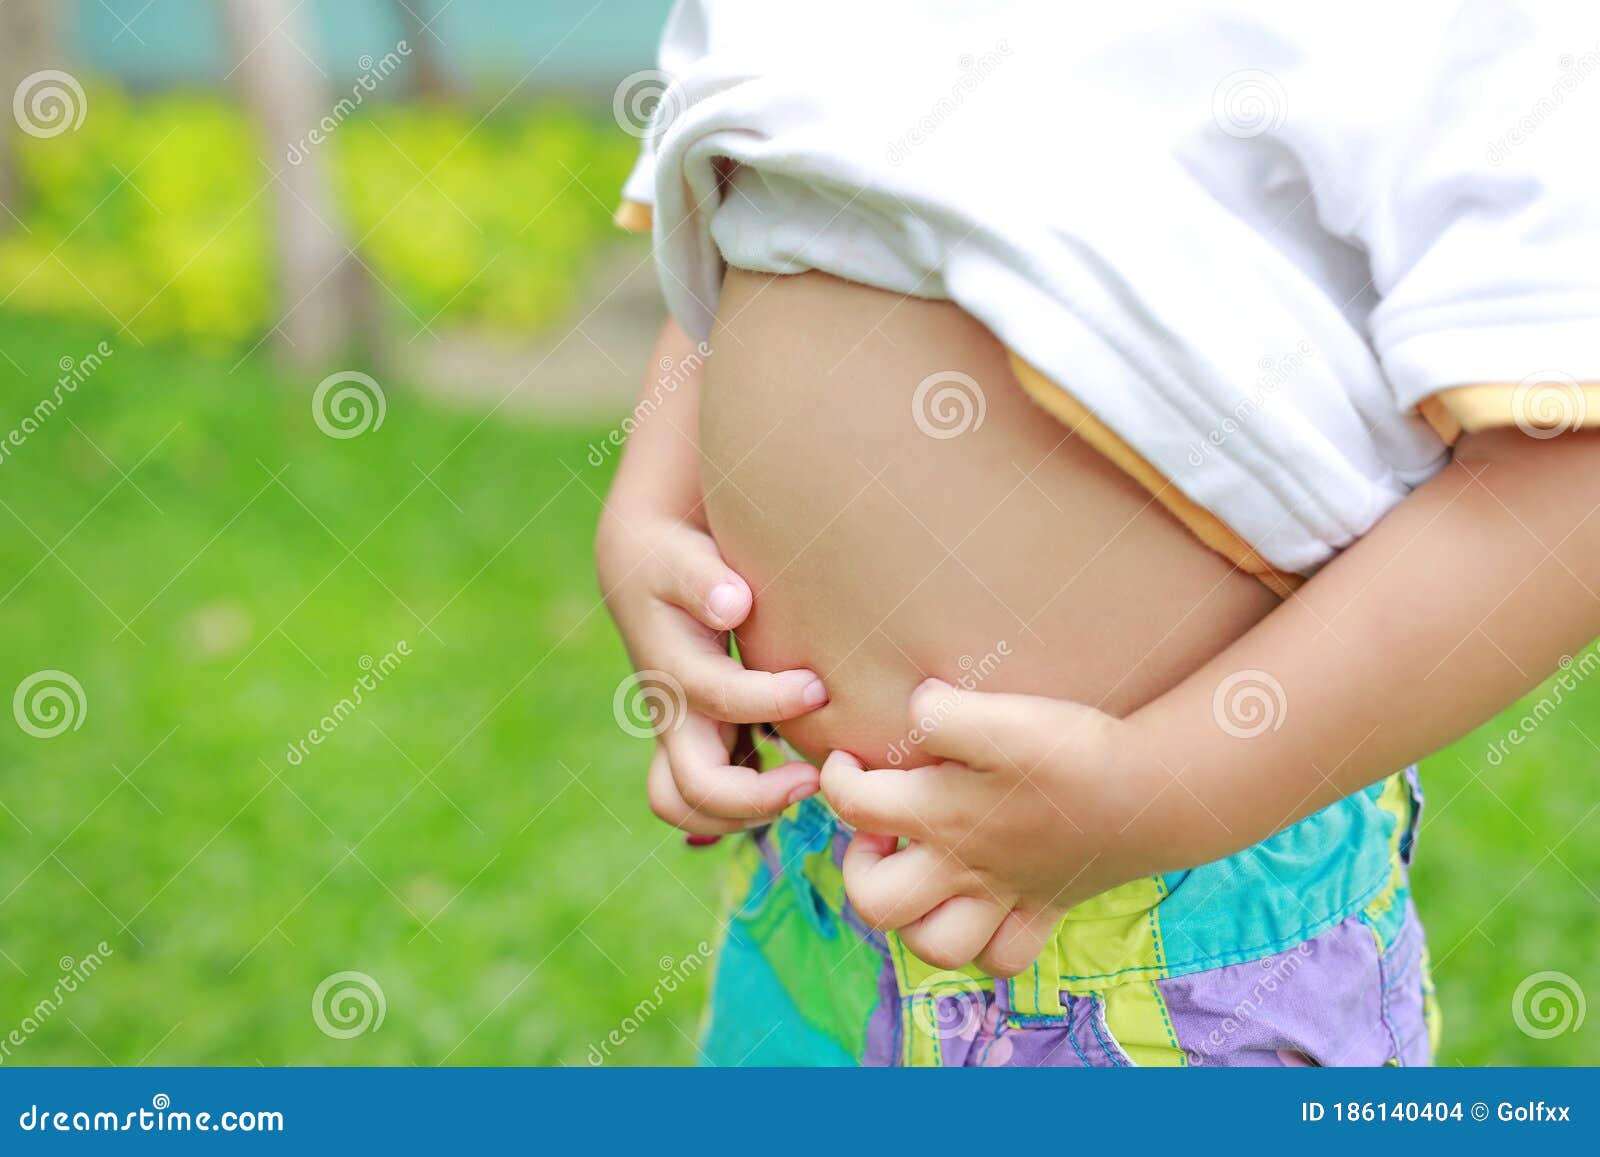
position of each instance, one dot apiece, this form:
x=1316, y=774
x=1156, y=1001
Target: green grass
x=514, y=905
x=475, y=836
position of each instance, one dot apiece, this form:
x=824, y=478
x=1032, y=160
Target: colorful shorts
x=1303, y=950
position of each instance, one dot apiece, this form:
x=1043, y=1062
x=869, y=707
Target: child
x=1173, y=391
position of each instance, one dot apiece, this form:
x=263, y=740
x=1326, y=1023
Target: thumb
x=996, y=732
x=696, y=578
x=1017, y=943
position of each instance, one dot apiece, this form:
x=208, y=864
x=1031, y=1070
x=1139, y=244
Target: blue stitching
x=1246, y=955
x=1388, y=1019
x=1094, y=1023
x=1072, y=1031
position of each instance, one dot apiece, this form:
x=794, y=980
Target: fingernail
x=931, y=684
x=723, y=601
x=815, y=694
x=695, y=841
x=802, y=792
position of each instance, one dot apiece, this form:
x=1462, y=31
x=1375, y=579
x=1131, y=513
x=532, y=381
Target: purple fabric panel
x=883, y=1027
x=973, y=1032
x=1403, y=995
x=1324, y=1002
x=1330, y=1001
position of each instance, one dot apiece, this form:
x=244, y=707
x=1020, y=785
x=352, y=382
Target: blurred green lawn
x=212, y=568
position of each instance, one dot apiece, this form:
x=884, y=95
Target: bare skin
x=1012, y=554
x=1062, y=774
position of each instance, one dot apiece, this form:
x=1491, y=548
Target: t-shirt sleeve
x=639, y=102
x=1476, y=192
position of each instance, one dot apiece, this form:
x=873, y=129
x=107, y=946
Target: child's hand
x=674, y=600
x=1040, y=805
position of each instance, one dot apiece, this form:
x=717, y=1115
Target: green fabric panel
x=754, y=1020
x=784, y=952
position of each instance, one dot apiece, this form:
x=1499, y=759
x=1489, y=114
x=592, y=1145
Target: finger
x=717, y=685
x=693, y=576
x=1016, y=944
x=890, y=889
x=952, y=935
x=711, y=785
x=996, y=732
x=667, y=804
x=892, y=801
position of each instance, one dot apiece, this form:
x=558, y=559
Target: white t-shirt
x=1249, y=236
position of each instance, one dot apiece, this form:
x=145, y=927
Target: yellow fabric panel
x=1036, y=991
x=634, y=217
x=921, y=986
x=1206, y=526
x=1438, y=415
x=1136, y=1015
x=1496, y=404
x=1396, y=800
x=1114, y=937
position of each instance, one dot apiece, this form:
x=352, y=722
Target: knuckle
x=1000, y=964
x=942, y=954
x=695, y=792
x=663, y=806
x=872, y=910
x=724, y=698
x=693, y=788
x=708, y=691
x=705, y=692
x=847, y=806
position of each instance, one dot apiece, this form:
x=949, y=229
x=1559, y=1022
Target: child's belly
x=1012, y=555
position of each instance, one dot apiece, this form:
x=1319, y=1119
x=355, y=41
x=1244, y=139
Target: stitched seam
x=1094, y=1023
x=1388, y=1019
x=1166, y=1021
x=1244, y=955
x=1072, y=1031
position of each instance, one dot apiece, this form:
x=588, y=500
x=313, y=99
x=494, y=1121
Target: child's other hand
x=674, y=600
x=1041, y=804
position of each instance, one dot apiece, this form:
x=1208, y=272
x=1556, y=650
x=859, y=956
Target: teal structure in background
x=576, y=44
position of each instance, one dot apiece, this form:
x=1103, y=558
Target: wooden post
x=323, y=292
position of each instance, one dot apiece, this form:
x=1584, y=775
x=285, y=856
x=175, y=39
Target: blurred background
x=314, y=330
